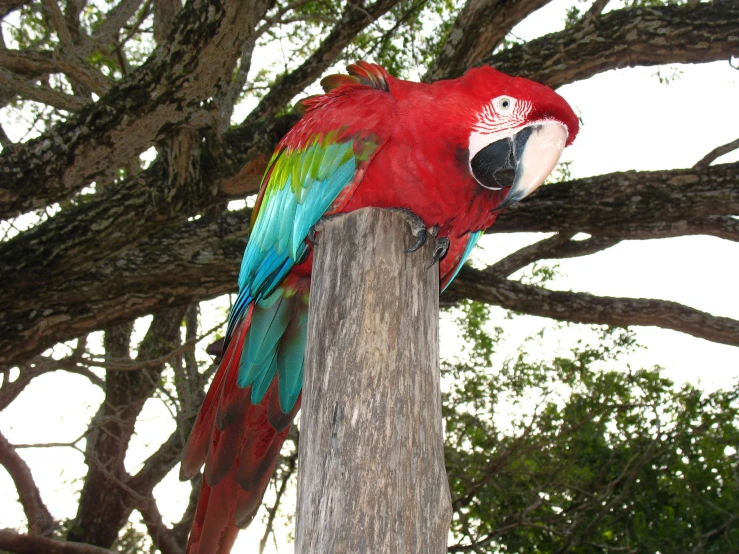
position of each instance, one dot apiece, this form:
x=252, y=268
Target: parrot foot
x=311, y=238
x=418, y=228
x=442, y=245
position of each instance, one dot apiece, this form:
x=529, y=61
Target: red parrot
x=450, y=155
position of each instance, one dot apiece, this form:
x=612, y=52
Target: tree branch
x=165, y=12
x=161, y=536
x=38, y=93
x=200, y=259
x=608, y=205
x=72, y=15
x=115, y=19
x=723, y=227
x=76, y=46
x=40, y=521
x=108, y=215
x=596, y=8
x=558, y=246
x=31, y=64
x=78, y=238
x=229, y=96
x=118, y=48
x=126, y=364
x=57, y=22
x=155, y=468
x=353, y=21
x=28, y=63
x=103, y=510
x=479, y=29
x=159, y=464
x=181, y=529
x=25, y=544
x=272, y=511
x=208, y=266
x=70, y=52
x=579, y=307
x=41, y=365
x=625, y=38
x=709, y=158
x=132, y=114
x=4, y=138
x=84, y=74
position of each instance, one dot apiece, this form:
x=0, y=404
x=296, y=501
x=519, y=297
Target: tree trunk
x=371, y=477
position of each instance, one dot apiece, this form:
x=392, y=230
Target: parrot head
x=515, y=129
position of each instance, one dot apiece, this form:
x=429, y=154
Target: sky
x=631, y=121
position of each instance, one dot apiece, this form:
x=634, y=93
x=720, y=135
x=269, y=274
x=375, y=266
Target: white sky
x=631, y=122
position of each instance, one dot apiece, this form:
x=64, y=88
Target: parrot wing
x=303, y=184
x=313, y=172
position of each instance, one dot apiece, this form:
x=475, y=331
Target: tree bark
x=169, y=90
x=371, y=475
x=615, y=204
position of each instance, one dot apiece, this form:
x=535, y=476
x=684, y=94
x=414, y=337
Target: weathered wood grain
x=371, y=477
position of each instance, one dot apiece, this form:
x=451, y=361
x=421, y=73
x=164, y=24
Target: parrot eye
x=504, y=104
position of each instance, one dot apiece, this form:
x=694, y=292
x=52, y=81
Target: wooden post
x=371, y=475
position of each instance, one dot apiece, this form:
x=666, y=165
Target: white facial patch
x=498, y=121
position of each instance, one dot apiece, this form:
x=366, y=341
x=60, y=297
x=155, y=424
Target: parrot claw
x=442, y=245
x=311, y=237
x=418, y=228
x=420, y=240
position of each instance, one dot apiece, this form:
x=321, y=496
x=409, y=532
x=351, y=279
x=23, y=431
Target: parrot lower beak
x=521, y=162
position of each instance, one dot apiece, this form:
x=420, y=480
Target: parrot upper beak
x=522, y=161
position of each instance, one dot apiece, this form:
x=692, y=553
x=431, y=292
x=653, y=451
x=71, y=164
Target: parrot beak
x=522, y=161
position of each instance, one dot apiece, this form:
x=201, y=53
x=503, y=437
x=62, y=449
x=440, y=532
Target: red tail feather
x=200, y=437
x=239, y=443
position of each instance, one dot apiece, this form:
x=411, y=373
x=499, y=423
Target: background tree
x=129, y=129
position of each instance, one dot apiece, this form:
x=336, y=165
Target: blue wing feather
x=275, y=343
